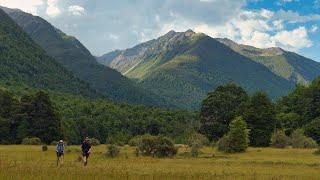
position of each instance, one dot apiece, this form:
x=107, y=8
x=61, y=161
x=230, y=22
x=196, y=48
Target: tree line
x=51, y=116
x=298, y=110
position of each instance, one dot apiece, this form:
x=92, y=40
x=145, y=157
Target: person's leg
x=84, y=157
x=61, y=158
x=58, y=159
x=87, y=156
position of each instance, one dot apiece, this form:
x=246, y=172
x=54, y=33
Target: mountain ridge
x=183, y=65
x=24, y=63
x=74, y=56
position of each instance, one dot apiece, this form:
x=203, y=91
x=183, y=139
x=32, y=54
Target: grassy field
x=29, y=162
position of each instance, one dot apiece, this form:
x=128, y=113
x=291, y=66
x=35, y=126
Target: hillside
x=288, y=65
x=185, y=66
x=23, y=62
x=71, y=54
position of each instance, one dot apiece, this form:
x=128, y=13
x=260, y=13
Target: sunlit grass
x=29, y=162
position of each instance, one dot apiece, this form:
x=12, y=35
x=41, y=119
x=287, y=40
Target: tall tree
x=8, y=106
x=219, y=108
x=41, y=118
x=259, y=114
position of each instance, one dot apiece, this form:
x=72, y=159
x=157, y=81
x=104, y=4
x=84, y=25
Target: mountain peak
x=189, y=32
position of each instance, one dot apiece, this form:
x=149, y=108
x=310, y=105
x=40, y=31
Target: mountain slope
x=70, y=53
x=288, y=65
x=23, y=62
x=185, y=66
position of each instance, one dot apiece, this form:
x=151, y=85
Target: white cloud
x=314, y=29
x=294, y=17
x=76, y=10
x=52, y=8
x=293, y=40
x=30, y=6
x=261, y=29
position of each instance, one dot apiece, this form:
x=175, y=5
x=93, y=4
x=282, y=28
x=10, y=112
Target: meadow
x=30, y=162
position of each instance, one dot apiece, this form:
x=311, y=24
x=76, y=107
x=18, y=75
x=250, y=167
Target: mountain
x=288, y=65
x=24, y=63
x=74, y=56
x=185, y=66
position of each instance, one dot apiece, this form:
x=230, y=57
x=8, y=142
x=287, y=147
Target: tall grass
x=30, y=162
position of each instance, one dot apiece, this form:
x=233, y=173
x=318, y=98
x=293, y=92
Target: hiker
x=60, y=152
x=85, y=147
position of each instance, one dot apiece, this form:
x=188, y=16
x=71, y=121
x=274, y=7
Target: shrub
x=112, y=151
x=165, y=147
x=299, y=140
x=196, y=142
x=279, y=139
x=44, y=148
x=310, y=143
x=237, y=139
x=31, y=141
x=157, y=146
x=94, y=142
x=135, y=141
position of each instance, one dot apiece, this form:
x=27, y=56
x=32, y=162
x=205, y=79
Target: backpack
x=60, y=147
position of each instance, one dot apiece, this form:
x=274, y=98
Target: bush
x=157, y=146
x=237, y=139
x=310, y=143
x=135, y=141
x=113, y=151
x=165, y=148
x=299, y=140
x=94, y=142
x=31, y=141
x=196, y=142
x=44, y=148
x=279, y=139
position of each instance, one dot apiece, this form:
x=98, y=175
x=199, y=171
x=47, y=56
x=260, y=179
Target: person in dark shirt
x=60, y=152
x=85, y=147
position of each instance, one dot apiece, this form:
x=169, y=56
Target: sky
x=106, y=25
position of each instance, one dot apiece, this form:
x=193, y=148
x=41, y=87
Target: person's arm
x=57, y=148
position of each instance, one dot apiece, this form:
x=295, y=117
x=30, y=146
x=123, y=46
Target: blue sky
x=105, y=25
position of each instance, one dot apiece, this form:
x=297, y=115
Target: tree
x=259, y=114
x=219, y=108
x=313, y=130
x=41, y=118
x=237, y=139
x=288, y=122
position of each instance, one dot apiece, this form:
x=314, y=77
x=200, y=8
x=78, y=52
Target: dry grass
x=29, y=162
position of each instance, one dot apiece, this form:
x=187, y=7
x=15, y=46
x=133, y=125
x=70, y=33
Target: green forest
x=50, y=116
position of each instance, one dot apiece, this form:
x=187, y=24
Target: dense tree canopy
x=219, y=108
x=259, y=114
